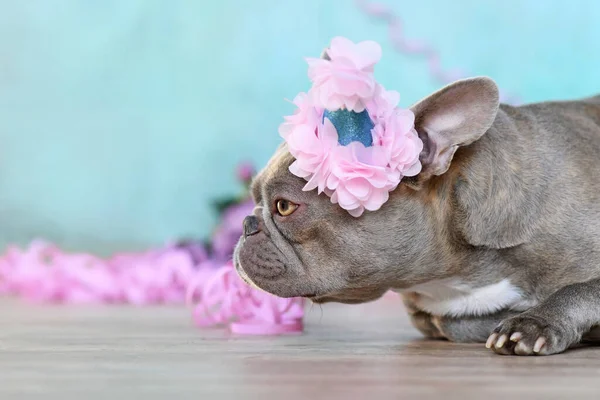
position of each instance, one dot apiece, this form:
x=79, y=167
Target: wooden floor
x=366, y=351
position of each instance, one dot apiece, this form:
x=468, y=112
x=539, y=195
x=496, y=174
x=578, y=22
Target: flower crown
x=347, y=135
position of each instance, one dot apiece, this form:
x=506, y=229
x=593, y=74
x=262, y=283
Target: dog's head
x=298, y=243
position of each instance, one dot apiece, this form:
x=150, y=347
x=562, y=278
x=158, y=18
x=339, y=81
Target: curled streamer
x=412, y=47
x=44, y=273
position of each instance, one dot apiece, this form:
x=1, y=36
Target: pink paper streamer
x=44, y=273
x=225, y=299
x=417, y=48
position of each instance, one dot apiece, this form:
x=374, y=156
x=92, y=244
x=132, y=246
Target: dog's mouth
x=321, y=299
x=242, y=274
x=316, y=299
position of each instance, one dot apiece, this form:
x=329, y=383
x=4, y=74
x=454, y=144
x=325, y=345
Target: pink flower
x=312, y=146
x=346, y=79
x=305, y=114
x=245, y=171
x=382, y=104
x=356, y=177
x=360, y=178
x=400, y=141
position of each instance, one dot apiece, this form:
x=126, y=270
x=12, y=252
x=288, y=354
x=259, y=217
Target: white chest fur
x=455, y=298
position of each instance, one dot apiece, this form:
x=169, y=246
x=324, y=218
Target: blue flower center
x=351, y=126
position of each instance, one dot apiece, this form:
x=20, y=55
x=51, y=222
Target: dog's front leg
x=561, y=321
x=470, y=329
x=465, y=329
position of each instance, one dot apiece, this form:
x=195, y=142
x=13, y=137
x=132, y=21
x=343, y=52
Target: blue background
x=121, y=120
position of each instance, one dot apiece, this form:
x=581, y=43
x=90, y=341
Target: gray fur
x=505, y=192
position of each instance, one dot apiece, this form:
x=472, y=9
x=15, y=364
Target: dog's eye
x=285, y=207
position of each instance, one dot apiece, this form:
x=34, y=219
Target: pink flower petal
x=413, y=170
x=357, y=212
x=377, y=199
x=346, y=200
x=358, y=187
x=299, y=172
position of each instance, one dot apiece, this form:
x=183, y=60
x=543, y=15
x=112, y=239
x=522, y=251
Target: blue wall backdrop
x=121, y=120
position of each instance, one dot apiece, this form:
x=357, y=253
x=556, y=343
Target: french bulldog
x=496, y=240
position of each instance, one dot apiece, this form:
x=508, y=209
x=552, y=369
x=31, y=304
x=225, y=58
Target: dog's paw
x=425, y=324
x=529, y=334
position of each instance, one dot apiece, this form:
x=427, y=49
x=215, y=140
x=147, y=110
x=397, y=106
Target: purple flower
x=196, y=250
x=230, y=229
x=245, y=172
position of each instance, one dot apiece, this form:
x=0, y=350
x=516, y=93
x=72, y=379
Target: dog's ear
x=454, y=116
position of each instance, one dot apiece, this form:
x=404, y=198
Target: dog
x=496, y=240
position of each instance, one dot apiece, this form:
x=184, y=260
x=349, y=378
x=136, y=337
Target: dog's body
x=499, y=234
x=526, y=200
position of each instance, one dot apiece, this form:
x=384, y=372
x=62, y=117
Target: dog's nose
x=251, y=226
